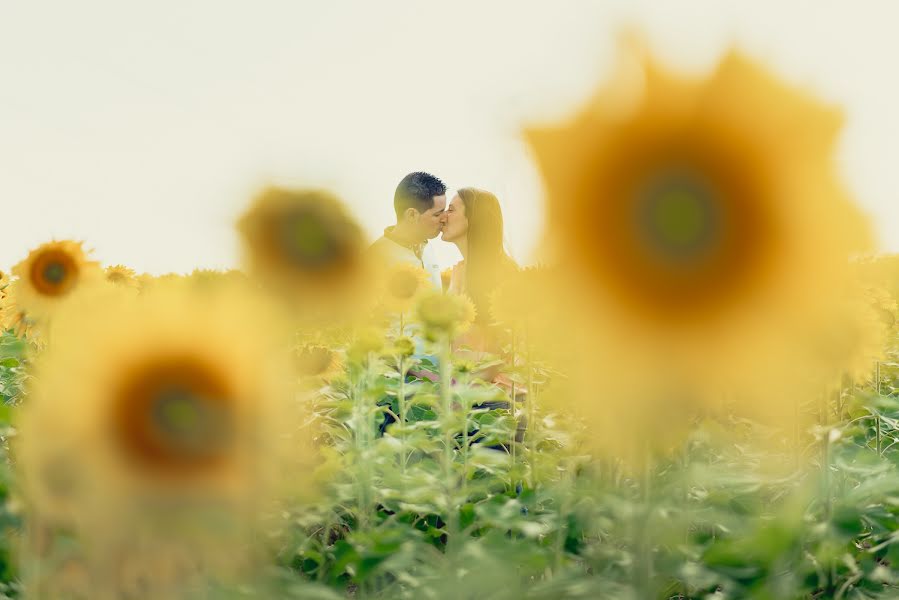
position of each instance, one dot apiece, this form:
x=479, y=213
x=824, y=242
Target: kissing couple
x=472, y=220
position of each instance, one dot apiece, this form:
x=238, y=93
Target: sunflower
x=517, y=301
x=445, y=314
x=402, y=284
x=121, y=275
x=855, y=340
x=317, y=362
x=4, y=281
x=13, y=318
x=699, y=228
x=49, y=275
x=181, y=399
x=305, y=245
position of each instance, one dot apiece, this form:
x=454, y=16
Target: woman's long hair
x=487, y=263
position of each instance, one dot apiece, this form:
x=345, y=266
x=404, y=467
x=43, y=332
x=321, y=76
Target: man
x=419, y=201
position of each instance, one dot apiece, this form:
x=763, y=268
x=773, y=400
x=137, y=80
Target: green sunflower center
x=307, y=240
x=678, y=218
x=176, y=415
x=188, y=422
x=55, y=273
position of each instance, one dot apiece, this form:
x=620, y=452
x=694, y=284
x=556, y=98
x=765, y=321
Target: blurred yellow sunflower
x=403, y=283
x=854, y=341
x=14, y=319
x=445, y=314
x=4, y=281
x=882, y=272
x=49, y=274
x=305, y=245
x=179, y=398
x=519, y=300
x=699, y=228
x=316, y=362
x=121, y=275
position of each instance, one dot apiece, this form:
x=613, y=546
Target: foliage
x=511, y=510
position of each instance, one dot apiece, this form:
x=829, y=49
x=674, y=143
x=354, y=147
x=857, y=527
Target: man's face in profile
x=431, y=221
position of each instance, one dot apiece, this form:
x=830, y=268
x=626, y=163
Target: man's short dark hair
x=417, y=190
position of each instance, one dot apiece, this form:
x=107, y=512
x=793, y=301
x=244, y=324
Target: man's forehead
x=439, y=204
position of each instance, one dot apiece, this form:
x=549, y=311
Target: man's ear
x=411, y=215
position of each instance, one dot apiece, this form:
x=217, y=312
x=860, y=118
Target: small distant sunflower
x=366, y=342
x=403, y=283
x=698, y=227
x=121, y=275
x=305, y=245
x=13, y=318
x=316, y=361
x=445, y=314
x=50, y=274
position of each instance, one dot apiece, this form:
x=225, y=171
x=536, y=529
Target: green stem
x=401, y=400
x=363, y=425
x=531, y=432
x=565, y=485
x=513, y=444
x=642, y=570
x=449, y=440
x=877, y=420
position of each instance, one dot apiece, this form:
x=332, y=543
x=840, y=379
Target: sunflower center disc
x=54, y=273
x=679, y=219
x=189, y=422
x=307, y=241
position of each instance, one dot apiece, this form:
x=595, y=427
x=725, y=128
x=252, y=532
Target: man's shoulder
x=391, y=251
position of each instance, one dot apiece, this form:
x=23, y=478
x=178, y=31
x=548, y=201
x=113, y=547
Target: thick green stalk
x=642, y=569
x=531, y=432
x=449, y=441
x=401, y=400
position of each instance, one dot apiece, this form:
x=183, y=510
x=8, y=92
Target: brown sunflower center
x=175, y=415
x=685, y=226
x=54, y=273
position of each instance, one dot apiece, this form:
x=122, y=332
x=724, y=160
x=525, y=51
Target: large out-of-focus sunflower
x=699, y=228
x=520, y=300
x=182, y=408
x=49, y=275
x=306, y=246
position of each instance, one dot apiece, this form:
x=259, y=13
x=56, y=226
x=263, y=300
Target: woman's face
x=455, y=225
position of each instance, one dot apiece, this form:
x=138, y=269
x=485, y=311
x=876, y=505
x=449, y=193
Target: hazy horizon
x=144, y=130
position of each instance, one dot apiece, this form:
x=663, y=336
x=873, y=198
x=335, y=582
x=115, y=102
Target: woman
x=473, y=221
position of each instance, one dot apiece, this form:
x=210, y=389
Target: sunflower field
x=693, y=394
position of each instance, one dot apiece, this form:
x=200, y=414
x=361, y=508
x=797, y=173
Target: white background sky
x=143, y=128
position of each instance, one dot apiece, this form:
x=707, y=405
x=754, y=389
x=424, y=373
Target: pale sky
x=143, y=128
